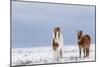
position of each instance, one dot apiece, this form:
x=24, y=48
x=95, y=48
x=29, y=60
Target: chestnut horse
x=84, y=43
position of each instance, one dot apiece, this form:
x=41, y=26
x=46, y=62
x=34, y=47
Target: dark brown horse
x=84, y=42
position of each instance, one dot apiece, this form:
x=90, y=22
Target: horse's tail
x=89, y=39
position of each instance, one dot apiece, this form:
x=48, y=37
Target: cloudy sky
x=33, y=23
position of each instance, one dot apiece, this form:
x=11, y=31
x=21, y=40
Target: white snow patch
x=43, y=55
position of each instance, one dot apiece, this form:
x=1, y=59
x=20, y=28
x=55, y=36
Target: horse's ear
x=81, y=31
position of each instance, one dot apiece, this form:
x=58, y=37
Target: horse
x=84, y=41
x=57, y=43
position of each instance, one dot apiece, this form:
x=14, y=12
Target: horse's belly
x=81, y=45
x=84, y=46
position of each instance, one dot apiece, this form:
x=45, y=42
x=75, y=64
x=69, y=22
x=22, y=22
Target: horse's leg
x=54, y=55
x=58, y=55
x=87, y=52
x=80, y=52
x=84, y=51
x=61, y=55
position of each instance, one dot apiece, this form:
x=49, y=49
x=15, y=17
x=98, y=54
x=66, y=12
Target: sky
x=33, y=23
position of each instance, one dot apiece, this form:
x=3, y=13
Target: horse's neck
x=56, y=39
x=80, y=38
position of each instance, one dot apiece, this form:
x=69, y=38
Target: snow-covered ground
x=43, y=55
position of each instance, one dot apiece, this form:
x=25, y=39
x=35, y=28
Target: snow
x=43, y=55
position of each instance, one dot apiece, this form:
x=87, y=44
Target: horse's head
x=79, y=35
x=57, y=32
